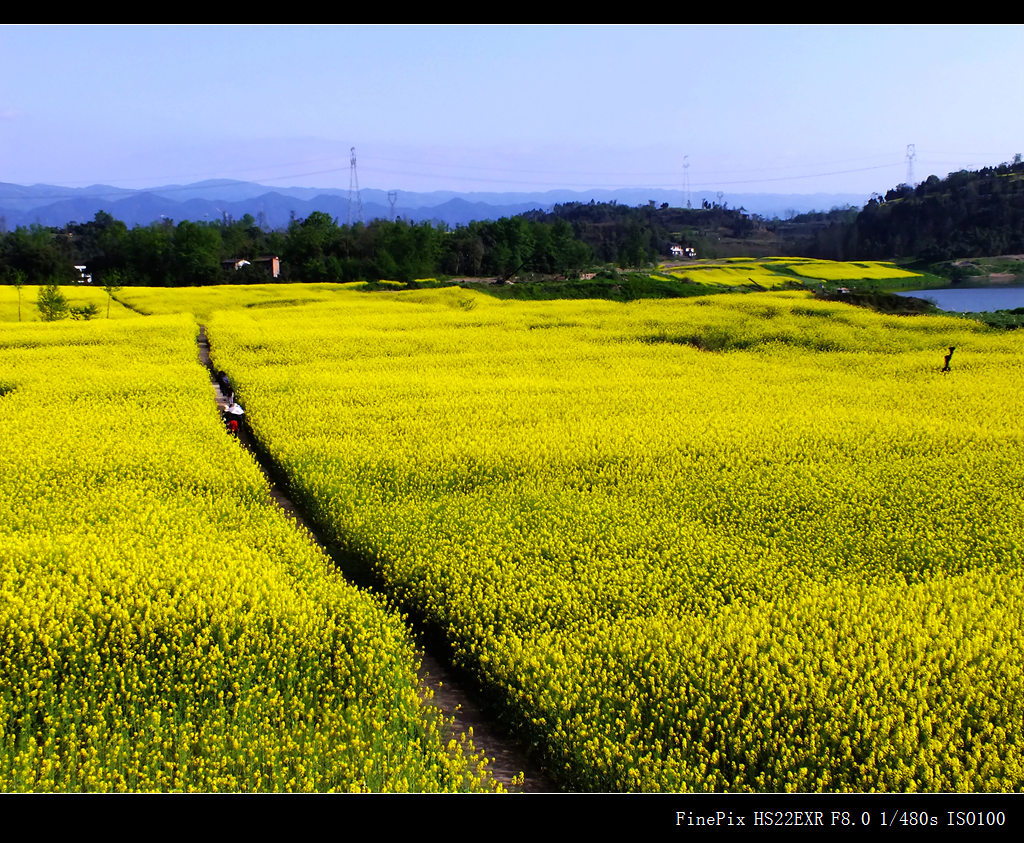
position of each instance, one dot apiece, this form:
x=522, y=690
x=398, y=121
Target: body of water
x=971, y=299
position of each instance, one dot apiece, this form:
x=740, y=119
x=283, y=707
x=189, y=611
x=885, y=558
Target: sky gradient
x=755, y=108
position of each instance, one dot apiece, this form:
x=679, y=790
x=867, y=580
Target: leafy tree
x=99, y=244
x=40, y=253
x=18, y=280
x=196, y=253
x=86, y=311
x=51, y=303
x=111, y=284
x=149, y=254
x=242, y=239
x=308, y=245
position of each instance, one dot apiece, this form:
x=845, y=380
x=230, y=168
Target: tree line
x=566, y=241
x=970, y=213
x=967, y=214
x=312, y=249
x=625, y=235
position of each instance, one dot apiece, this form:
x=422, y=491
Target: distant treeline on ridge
x=967, y=214
x=565, y=242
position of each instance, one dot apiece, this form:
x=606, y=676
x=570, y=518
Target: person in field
x=233, y=416
x=225, y=386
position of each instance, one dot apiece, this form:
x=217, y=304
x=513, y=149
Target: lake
x=971, y=299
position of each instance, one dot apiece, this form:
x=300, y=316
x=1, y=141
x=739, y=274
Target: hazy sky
x=753, y=108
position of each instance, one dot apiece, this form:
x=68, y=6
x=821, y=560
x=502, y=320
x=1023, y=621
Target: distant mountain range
x=275, y=207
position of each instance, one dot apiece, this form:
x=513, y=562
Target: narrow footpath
x=450, y=693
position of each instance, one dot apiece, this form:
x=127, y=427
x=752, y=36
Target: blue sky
x=754, y=108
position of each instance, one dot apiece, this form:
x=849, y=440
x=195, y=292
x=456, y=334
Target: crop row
x=163, y=626
x=744, y=543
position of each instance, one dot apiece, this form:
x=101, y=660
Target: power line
x=795, y=178
x=497, y=175
x=662, y=175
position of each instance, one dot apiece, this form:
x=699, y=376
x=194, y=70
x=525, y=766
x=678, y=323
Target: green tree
x=100, y=244
x=464, y=252
x=18, y=280
x=86, y=311
x=196, y=253
x=150, y=254
x=40, y=253
x=308, y=245
x=111, y=284
x=51, y=303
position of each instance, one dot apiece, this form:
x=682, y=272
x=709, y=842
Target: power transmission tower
x=392, y=198
x=353, y=191
x=911, y=154
x=686, y=180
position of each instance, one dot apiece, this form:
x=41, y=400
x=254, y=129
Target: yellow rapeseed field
x=773, y=273
x=163, y=626
x=203, y=301
x=750, y=542
x=77, y=296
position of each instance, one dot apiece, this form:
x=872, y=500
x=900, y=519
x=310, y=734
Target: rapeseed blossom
x=749, y=542
x=163, y=626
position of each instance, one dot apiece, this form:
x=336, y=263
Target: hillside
x=968, y=214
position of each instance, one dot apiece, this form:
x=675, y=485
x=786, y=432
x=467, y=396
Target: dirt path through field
x=450, y=693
